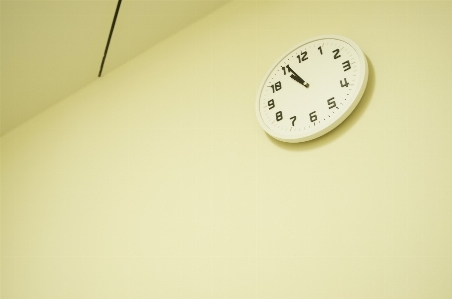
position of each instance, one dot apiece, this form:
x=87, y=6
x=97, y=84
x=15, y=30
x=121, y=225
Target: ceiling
x=50, y=49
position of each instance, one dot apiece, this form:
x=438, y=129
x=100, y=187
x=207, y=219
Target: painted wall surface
x=157, y=182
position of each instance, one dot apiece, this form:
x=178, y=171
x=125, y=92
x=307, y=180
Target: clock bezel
x=354, y=98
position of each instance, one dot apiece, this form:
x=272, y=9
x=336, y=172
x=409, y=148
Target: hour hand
x=297, y=78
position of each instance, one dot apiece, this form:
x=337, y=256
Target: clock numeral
x=312, y=116
x=284, y=69
x=302, y=57
x=278, y=116
x=293, y=118
x=271, y=104
x=331, y=103
x=275, y=87
x=320, y=49
x=345, y=83
x=336, y=54
x=346, y=65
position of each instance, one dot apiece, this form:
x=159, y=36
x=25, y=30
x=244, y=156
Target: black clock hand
x=297, y=78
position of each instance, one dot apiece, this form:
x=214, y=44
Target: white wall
x=157, y=182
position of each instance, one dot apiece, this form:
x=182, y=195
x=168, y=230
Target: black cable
x=109, y=37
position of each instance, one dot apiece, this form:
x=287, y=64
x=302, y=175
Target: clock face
x=312, y=88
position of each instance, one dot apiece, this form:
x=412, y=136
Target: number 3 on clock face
x=312, y=88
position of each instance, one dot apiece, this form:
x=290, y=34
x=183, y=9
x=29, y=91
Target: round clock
x=312, y=88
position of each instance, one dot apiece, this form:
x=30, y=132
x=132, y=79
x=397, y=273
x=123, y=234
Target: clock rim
x=356, y=97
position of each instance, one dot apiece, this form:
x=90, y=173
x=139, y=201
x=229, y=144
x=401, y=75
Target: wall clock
x=312, y=88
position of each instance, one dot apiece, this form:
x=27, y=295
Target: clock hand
x=297, y=78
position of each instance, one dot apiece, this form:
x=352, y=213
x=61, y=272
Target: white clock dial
x=312, y=88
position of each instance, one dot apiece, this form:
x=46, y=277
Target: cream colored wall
x=157, y=182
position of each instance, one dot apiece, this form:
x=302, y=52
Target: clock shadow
x=341, y=128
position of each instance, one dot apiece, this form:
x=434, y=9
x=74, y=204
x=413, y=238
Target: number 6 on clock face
x=312, y=88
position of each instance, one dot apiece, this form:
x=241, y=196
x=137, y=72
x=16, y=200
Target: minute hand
x=297, y=78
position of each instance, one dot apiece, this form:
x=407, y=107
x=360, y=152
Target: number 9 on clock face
x=312, y=88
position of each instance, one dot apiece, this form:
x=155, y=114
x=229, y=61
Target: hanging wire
x=109, y=36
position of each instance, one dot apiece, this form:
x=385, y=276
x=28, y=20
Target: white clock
x=312, y=88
